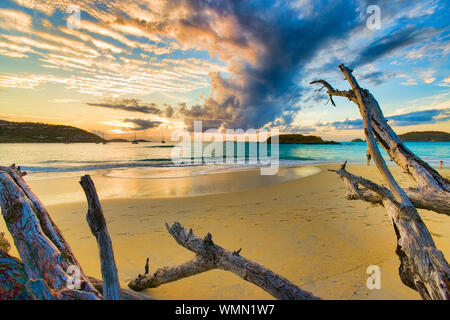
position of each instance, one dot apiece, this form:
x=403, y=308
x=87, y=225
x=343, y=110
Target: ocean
x=154, y=160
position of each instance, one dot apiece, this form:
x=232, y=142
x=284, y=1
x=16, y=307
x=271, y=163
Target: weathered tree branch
x=350, y=95
x=45, y=254
x=354, y=192
x=125, y=294
x=97, y=223
x=211, y=256
x=422, y=266
x=433, y=191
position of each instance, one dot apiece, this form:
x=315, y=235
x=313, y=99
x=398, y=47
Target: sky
x=146, y=67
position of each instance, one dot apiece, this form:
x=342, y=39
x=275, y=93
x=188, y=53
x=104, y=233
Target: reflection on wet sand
x=126, y=184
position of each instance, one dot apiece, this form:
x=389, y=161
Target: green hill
x=427, y=136
x=30, y=132
x=301, y=139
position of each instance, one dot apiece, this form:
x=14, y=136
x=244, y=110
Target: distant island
x=301, y=139
x=358, y=140
x=425, y=136
x=118, y=140
x=31, y=132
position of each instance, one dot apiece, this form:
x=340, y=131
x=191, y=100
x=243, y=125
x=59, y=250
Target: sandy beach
x=303, y=229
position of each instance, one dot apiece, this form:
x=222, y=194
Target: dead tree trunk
x=211, y=256
x=97, y=223
x=45, y=254
x=13, y=282
x=13, y=279
x=422, y=266
x=433, y=191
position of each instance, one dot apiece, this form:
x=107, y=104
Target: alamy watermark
x=74, y=279
x=234, y=147
x=374, y=279
x=374, y=19
x=73, y=20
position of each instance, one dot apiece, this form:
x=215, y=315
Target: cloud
x=427, y=75
x=377, y=77
x=409, y=82
x=132, y=105
x=143, y=124
x=387, y=44
x=420, y=117
x=265, y=45
x=346, y=124
x=64, y=100
x=402, y=120
x=15, y=20
x=169, y=111
x=260, y=52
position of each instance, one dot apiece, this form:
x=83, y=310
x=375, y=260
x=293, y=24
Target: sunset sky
x=146, y=67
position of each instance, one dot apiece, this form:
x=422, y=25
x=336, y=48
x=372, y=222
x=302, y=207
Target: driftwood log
x=45, y=255
x=422, y=266
x=97, y=223
x=46, y=258
x=13, y=282
x=211, y=256
x=13, y=279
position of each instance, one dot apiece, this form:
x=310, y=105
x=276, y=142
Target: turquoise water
x=119, y=158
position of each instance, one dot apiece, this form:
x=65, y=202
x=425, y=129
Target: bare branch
x=333, y=92
x=211, y=256
x=97, y=223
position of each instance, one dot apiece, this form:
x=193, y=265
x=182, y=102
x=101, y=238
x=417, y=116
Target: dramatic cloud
x=401, y=120
x=235, y=64
x=132, y=105
x=266, y=48
x=143, y=124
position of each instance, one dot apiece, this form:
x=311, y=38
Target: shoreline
x=303, y=229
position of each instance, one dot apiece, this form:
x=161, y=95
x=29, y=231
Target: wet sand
x=303, y=229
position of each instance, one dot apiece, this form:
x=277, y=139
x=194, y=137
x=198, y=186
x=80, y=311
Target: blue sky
x=151, y=66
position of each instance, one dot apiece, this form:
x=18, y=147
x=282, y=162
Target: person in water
x=441, y=164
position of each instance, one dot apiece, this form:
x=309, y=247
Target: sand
x=303, y=229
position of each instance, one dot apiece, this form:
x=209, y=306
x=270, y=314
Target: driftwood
x=13, y=282
x=46, y=256
x=97, y=223
x=433, y=191
x=13, y=278
x=422, y=266
x=211, y=256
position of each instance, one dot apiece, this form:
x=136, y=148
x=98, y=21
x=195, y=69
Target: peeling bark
x=45, y=254
x=14, y=282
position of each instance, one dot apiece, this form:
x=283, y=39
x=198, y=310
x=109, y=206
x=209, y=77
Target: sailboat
x=104, y=141
x=162, y=139
x=135, y=140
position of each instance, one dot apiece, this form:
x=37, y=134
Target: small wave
x=156, y=160
x=161, y=146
